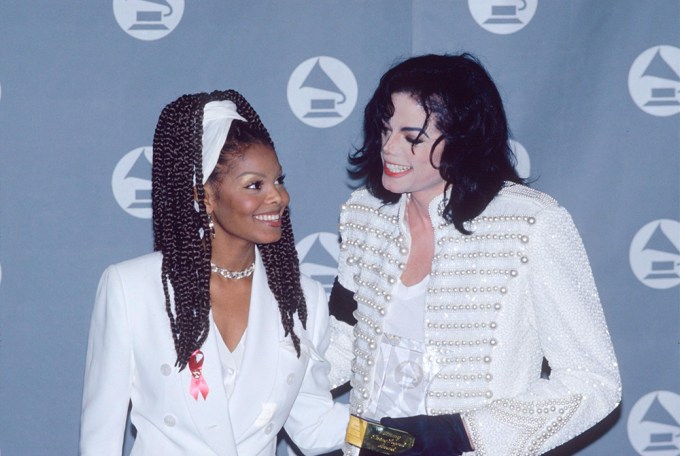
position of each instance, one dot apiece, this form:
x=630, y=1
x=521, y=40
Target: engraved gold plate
x=376, y=437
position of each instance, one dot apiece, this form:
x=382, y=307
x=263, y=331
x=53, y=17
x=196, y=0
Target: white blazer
x=131, y=358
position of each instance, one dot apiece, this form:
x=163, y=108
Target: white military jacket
x=516, y=290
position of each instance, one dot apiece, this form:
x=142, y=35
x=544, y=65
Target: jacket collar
x=211, y=415
x=222, y=422
x=258, y=373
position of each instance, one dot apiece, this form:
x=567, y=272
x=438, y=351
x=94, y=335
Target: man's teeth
x=396, y=168
x=268, y=218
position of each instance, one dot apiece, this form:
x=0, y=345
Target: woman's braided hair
x=180, y=222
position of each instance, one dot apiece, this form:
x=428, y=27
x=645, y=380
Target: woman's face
x=406, y=151
x=247, y=202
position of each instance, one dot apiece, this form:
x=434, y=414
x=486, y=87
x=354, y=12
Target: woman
x=464, y=279
x=215, y=339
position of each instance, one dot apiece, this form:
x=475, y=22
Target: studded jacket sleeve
x=566, y=315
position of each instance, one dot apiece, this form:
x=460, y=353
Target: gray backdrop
x=592, y=90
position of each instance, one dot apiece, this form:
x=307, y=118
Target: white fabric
x=339, y=353
x=408, y=311
x=131, y=358
x=401, y=379
x=217, y=118
x=230, y=361
x=402, y=373
x=518, y=289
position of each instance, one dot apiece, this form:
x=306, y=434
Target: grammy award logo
x=148, y=19
x=502, y=16
x=318, y=254
x=655, y=254
x=131, y=182
x=654, y=81
x=523, y=162
x=322, y=92
x=654, y=424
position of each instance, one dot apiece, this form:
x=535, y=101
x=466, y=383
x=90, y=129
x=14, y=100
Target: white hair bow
x=217, y=118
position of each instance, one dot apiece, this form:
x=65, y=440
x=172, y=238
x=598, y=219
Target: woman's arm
x=316, y=424
x=108, y=371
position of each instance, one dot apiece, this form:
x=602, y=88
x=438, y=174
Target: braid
x=283, y=275
x=180, y=225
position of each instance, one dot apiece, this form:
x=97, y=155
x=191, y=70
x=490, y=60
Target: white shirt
x=402, y=373
x=230, y=361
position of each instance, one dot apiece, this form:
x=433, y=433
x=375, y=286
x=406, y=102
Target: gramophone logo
x=654, y=424
x=523, y=164
x=148, y=20
x=502, y=16
x=322, y=92
x=318, y=254
x=655, y=254
x=131, y=182
x=654, y=81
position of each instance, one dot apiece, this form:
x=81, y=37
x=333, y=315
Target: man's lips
x=392, y=169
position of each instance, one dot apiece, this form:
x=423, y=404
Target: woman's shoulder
x=310, y=286
x=139, y=266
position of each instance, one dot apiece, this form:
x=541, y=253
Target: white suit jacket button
x=166, y=369
x=290, y=379
x=169, y=420
x=269, y=428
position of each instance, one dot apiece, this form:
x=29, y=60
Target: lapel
x=258, y=373
x=211, y=415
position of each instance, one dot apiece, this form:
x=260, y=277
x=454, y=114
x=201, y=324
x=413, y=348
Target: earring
x=211, y=225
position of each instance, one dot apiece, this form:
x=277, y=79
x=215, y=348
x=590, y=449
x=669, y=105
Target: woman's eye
x=415, y=140
x=255, y=185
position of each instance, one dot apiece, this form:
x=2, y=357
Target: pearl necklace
x=236, y=275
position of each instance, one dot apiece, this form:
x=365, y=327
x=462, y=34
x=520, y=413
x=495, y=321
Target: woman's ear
x=209, y=198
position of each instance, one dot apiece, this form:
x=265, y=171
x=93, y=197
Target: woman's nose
x=274, y=195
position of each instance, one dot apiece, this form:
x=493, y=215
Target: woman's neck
x=233, y=256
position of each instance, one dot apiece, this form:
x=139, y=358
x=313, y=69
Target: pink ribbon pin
x=198, y=383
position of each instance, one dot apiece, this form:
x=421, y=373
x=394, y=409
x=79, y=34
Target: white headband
x=217, y=118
